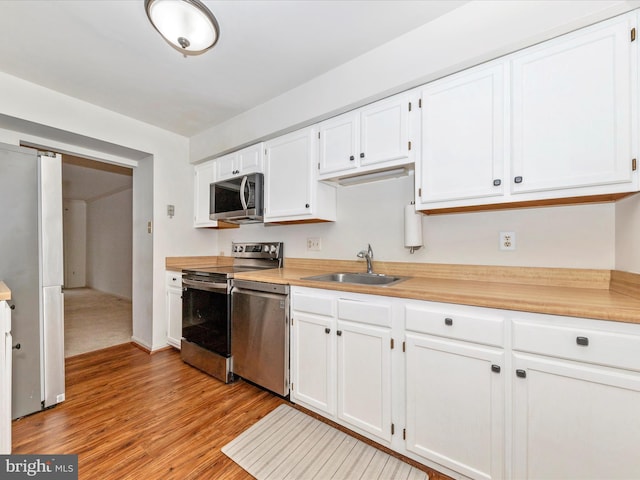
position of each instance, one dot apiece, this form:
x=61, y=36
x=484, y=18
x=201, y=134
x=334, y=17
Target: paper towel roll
x=412, y=228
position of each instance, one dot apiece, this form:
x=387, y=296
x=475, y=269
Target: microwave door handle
x=243, y=185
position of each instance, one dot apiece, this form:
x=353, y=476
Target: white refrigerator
x=31, y=265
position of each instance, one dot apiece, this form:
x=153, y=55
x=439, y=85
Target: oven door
x=205, y=315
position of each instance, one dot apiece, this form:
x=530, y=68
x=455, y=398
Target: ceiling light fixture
x=187, y=25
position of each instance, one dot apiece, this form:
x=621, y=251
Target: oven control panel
x=271, y=250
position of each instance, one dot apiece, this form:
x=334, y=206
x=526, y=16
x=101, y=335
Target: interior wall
x=109, y=247
x=75, y=243
x=580, y=236
x=628, y=234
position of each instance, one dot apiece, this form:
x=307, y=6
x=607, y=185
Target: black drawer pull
x=497, y=182
x=448, y=321
x=584, y=341
x=327, y=330
x=352, y=158
x=518, y=179
x=362, y=155
x=521, y=373
x=339, y=333
x=495, y=368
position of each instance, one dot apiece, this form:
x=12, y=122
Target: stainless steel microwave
x=238, y=199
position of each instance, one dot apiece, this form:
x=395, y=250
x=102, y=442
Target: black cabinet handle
x=339, y=333
x=17, y=346
x=495, y=368
x=362, y=155
x=306, y=205
x=448, y=321
x=327, y=330
x=352, y=158
x=12, y=306
x=521, y=373
x=497, y=182
x=584, y=341
x=518, y=179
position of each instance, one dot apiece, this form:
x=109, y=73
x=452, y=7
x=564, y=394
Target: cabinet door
x=5, y=379
x=313, y=362
x=250, y=159
x=174, y=316
x=289, y=174
x=204, y=176
x=364, y=377
x=574, y=420
x=339, y=143
x=455, y=405
x=463, y=126
x=572, y=110
x=226, y=166
x=384, y=129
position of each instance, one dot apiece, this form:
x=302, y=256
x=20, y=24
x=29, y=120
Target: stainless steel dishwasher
x=260, y=334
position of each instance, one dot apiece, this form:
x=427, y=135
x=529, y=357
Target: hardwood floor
x=131, y=415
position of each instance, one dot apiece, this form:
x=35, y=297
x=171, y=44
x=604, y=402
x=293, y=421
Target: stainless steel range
x=206, y=306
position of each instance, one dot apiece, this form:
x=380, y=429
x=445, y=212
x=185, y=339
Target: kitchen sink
x=358, y=278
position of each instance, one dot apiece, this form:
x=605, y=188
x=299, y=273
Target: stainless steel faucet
x=368, y=256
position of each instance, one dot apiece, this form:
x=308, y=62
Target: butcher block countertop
x=588, y=293
x=5, y=293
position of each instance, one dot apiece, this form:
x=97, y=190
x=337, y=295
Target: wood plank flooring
x=131, y=415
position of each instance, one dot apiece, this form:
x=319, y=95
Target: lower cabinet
x=455, y=404
x=477, y=392
x=173, y=308
x=576, y=393
x=341, y=359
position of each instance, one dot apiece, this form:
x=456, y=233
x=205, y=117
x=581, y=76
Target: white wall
x=581, y=236
x=75, y=243
x=109, y=246
x=628, y=234
x=170, y=182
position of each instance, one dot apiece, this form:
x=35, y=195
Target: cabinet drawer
x=174, y=279
x=314, y=304
x=614, y=349
x=461, y=324
x=364, y=312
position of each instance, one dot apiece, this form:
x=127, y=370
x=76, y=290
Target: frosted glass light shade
x=187, y=25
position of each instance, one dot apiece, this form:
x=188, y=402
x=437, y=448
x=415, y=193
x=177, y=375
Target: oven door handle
x=206, y=286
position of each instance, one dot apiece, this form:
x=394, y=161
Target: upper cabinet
x=571, y=107
x=463, y=141
x=242, y=162
x=370, y=138
x=204, y=175
x=546, y=124
x=292, y=193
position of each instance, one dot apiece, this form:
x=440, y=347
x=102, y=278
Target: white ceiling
x=107, y=53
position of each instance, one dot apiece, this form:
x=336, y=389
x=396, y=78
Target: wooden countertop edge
x=180, y=263
x=5, y=293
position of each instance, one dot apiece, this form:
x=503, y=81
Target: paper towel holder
x=412, y=228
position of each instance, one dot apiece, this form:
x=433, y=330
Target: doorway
x=97, y=213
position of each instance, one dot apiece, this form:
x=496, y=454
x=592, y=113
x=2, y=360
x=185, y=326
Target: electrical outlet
x=314, y=244
x=507, y=240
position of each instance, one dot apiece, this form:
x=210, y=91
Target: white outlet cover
x=507, y=241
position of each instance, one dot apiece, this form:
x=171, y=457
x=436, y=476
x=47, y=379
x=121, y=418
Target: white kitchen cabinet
x=572, y=107
x=370, y=138
x=204, y=175
x=576, y=391
x=463, y=137
x=341, y=359
x=455, y=390
x=173, y=307
x=242, y=162
x=5, y=378
x=292, y=191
